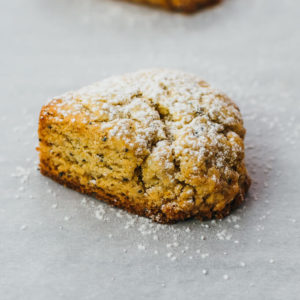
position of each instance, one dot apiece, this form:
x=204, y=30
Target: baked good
x=179, y=5
x=159, y=143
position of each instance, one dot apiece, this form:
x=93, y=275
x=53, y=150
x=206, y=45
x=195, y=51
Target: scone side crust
x=156, y=215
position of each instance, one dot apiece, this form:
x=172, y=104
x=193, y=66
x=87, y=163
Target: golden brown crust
x=157, y=215
x=187, y=6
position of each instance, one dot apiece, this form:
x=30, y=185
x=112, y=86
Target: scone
x=179, y=5
x=158, y=143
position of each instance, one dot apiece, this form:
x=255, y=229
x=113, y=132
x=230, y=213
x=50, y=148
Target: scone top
x=162, y=102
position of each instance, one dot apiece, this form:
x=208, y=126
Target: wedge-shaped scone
x=179, y=5
x=161, y=144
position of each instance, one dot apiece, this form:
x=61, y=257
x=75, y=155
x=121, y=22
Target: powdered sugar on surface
x=200, y=243
x=187, y=241
x=248, y=49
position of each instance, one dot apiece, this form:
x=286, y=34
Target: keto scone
x=179, y=5
x=158, y=143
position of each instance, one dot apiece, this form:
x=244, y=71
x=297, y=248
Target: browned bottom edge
x=155, y=214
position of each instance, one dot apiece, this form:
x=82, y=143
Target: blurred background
x=55, y=244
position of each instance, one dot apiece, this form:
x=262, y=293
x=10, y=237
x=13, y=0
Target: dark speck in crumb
x=49, y=126
x=206, y=197
x=61, y=174
x=140, y=191
x=126, y=150
x=125, y=179
x=101, y=156
x=104, y=139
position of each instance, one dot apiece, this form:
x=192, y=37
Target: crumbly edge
x=156, y=215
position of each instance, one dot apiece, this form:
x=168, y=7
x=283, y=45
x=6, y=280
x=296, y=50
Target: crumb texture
x=158, y=143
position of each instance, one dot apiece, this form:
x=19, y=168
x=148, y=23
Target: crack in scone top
x=173, y=112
